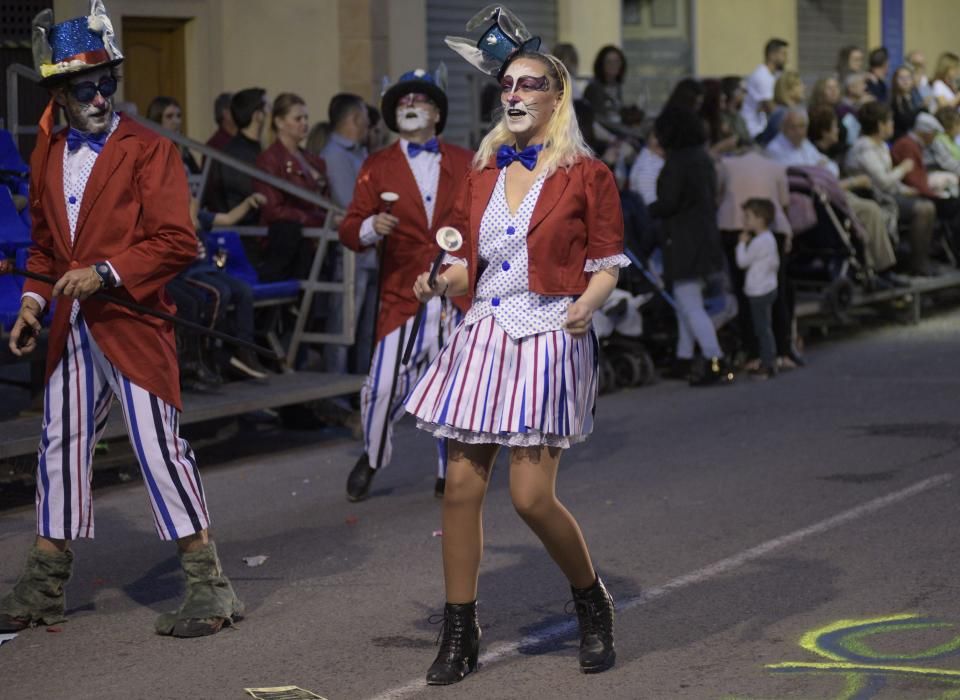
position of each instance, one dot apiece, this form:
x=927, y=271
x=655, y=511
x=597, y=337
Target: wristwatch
x=106, y=275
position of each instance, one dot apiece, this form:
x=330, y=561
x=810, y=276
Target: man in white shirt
x=758, y=102
x=792, y=147
x=646, y=169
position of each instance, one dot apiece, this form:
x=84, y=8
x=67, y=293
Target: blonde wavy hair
x=563, y=142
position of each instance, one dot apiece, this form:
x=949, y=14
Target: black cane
x=134, y=306
x=449, y=240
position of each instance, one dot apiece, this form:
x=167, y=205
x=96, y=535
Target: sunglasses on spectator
x=86, y=92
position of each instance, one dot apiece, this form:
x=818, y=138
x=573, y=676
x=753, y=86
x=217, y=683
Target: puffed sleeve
x=604, y=220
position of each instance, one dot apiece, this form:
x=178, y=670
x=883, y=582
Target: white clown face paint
x=527, y=97
x=415, y=111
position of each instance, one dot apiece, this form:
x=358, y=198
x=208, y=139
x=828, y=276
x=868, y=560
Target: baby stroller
x=828, y=254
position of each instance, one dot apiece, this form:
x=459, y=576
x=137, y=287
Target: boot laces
x=588, y=615
x=451, y=634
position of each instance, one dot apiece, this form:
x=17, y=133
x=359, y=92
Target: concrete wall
x=279, y=45
x=729, y=35
x=589, y=26
x=931, y=26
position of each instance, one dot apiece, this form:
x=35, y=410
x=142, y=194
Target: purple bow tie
x=528, y=156
x=415, y=149
x=75, y=139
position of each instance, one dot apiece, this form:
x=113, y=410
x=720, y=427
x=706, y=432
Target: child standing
x=757, y=254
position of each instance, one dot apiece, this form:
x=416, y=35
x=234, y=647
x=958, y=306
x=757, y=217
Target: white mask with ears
x=412, y=118
x=525, y=96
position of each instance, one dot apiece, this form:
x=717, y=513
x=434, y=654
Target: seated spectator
x=226, y=127
x=827, y=94
x=917, y=63
x=871, y=156
x=743, y=177
x=567, y=53
x=234, y=312
x=788, y=92
x=875, y=225
x=646, y=169
x=905, y=101
x=686, y=207
x=855, y=95
x=286, y=159
x=877, y=70
x=249, y=109
x=945, y=149
x=166, y=112
x=197, y=306
x=940, y=190
x=734, y=91
x=849, y=60
x=758, y=101
x=378, y=135
x=791, y=146
x=944, y=87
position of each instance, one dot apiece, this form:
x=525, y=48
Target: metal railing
x=324, y=235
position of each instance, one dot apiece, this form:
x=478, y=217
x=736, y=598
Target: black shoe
x=459, y=645
x=361, y=476
x=439, y=487
x=246, y=363
x=595, y=618
x=715, y=370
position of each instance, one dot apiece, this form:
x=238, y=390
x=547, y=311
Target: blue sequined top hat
x=75, y=46
x=501, y=40
x=419, y=80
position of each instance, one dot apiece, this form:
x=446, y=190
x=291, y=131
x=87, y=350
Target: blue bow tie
x=75, y=139
x=415, y=149
x=528, y=156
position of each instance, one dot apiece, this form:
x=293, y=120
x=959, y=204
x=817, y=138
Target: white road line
x=562, y=629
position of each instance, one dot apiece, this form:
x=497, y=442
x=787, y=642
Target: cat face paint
x=415, y=111
x=526, y=96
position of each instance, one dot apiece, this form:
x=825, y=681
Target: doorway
x=155, y=61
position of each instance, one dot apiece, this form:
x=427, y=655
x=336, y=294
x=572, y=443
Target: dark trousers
x=761, y=313
x=232, y=292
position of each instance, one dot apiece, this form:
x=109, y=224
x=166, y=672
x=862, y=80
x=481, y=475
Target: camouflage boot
x=37, y=598
x=210, y=602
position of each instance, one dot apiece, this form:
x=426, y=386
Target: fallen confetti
x=286, y=692
x=352, y=520
x=55, y=630
x=6, y=638
x=438, y=533
x=255, y=561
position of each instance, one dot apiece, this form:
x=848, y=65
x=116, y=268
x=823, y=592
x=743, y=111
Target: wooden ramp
x=21, y=435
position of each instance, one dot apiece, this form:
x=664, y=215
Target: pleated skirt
x=486, y=387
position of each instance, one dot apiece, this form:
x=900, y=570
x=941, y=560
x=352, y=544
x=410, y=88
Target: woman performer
x=543, y=235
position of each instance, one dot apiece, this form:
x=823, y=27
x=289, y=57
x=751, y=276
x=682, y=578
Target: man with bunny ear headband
x=110, y=209
x=403, y=195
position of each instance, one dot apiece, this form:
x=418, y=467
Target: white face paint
x=526, y=97
x=413, y=118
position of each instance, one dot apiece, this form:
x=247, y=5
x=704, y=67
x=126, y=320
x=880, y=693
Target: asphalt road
x=786, y=539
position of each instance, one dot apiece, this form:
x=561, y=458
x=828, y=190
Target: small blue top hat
x=504, y=38
x=417, y=80
x=75, y=46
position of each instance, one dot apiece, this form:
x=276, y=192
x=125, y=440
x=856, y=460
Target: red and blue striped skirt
x=486, y=387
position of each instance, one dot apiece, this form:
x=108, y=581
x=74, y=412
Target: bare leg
x=194, y=543
x=533, y=479
x=468, y=474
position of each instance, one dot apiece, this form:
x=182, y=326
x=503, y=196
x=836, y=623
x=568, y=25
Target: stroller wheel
x=648, y=373
x=627, y=369
x=608, y=377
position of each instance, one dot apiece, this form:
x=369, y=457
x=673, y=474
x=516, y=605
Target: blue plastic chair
x=14, y=233
x=238, y=265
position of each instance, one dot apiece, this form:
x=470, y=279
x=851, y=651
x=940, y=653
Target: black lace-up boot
x=595, y=617
x=459, y=645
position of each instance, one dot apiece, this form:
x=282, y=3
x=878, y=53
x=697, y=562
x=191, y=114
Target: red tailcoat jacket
x=577, y=217
x=135, y=214
x=410, y=248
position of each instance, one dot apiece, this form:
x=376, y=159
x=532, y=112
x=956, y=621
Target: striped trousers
x=77, y=402
x=390, y=381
